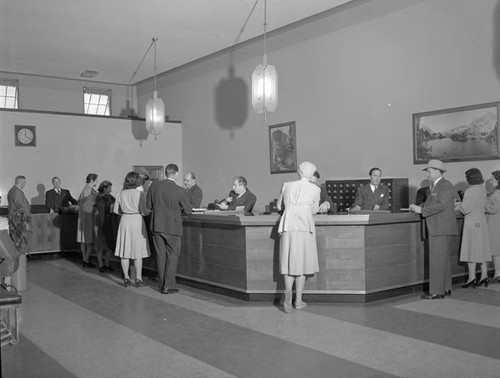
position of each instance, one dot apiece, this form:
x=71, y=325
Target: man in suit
x=167, y=200
x=439, y=213
x=374, y=196
x=239, y=198
x=326, y=204
x=194, y=192
x=19, y=214
x=58, y=199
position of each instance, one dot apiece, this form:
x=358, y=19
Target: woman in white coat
x=298, y=251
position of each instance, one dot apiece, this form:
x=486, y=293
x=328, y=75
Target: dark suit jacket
x=324, y=197
x=56, y=201
x=439, y=209
x=366, y=199
x=167, y=200
x=422, y=195
x=195, y=195
x=17, y=200
x=247, y=199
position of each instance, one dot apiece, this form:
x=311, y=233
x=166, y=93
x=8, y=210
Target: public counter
x=362, y=257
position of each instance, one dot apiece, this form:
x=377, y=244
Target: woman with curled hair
x=493, y=217
x=298, y=256
x=86, y=219
x=105, y=239
x=475, y=246
x=132, y=239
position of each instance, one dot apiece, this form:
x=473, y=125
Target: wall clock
x=25, y=136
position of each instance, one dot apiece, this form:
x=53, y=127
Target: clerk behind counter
x=240, y=198
x=374, y=196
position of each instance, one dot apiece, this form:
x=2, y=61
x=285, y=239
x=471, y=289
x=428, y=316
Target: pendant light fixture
x=264, y=81
x=155, y=108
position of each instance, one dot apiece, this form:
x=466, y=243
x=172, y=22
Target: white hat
x=306, y=169
x=436, y=164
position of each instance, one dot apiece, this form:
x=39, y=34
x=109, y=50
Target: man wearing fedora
x=439, y=212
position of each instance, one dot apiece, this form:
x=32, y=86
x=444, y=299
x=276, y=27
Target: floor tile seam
x=118, y=326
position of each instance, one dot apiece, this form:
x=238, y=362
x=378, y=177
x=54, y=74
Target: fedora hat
x=436, y=164
x=142, y=171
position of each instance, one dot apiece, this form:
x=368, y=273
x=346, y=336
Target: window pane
x=3, y=90
x=11, y=91
x=86, y=98
x=2, y=102
x=94, y=99
x=103, y=100
x=10, y=103
x=92, y=109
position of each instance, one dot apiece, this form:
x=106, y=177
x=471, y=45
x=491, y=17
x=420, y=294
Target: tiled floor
x=81, y=323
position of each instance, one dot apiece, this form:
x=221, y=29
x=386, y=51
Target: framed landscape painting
x=457, y=134
x=283, y=148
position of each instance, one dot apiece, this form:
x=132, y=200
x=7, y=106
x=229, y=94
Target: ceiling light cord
x=142, y=60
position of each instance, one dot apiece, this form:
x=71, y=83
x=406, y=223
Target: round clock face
x=25, y=136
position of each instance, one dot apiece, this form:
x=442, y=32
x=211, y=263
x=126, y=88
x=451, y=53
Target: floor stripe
x=229, y=347
x=88, y=344
x=359, y=344
x=457, y=310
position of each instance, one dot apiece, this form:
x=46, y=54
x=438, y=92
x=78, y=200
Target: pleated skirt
x=132, y=238
x=298, y=253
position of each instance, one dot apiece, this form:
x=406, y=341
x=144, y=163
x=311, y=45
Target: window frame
x=100, y=92
x=10, y=83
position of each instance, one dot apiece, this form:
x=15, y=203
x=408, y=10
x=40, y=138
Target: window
x=9, y=92
x=97, y=101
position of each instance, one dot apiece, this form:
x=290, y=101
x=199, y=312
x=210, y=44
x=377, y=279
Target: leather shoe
x=169, y=291
x=432, y=296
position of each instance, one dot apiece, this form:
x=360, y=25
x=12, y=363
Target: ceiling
x=66, y=37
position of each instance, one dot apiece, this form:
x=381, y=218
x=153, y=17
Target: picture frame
x=156, y=172
x=283, y=148
x=464, y=133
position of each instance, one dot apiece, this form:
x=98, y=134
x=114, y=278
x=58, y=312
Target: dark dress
x=106, y=234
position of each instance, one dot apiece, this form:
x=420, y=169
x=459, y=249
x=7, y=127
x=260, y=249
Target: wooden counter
x=362, y=257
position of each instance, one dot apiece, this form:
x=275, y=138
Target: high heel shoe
x=484, y=281
x=126, y=282
x=139, y=283
x=472, y=283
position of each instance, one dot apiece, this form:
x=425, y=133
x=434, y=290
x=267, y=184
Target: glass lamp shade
x=155, y=115
x=264, y=88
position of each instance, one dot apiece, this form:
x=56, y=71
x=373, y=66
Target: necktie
x=58, y=191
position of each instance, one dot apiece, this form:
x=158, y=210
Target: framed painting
x=458, y=134
x=155, y=172
x=283, y=148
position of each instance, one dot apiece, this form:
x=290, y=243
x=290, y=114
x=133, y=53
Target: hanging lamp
x=265, y=81
x=155, y=108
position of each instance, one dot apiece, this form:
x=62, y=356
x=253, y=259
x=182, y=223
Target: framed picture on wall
x=283, y=148
x=155, y=172
x=458, y=134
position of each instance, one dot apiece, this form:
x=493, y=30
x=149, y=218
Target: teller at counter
x=374, y=196
x=240, y=198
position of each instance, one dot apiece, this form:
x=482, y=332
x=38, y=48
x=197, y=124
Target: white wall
x=337, y=77
x=73, y=146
